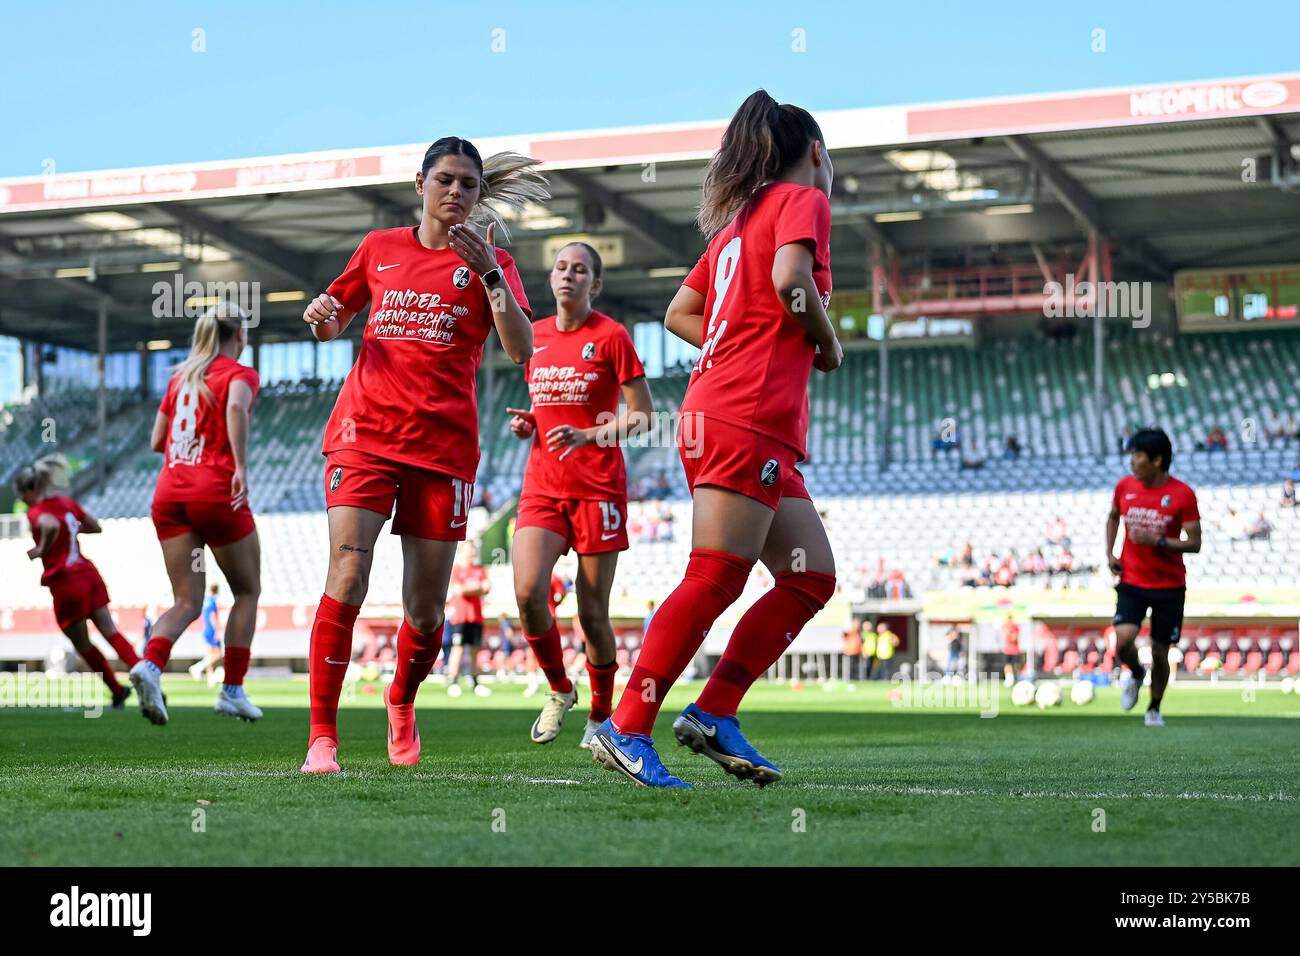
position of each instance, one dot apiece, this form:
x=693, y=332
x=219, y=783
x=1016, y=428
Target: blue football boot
x=720, y=739
x=632, y=755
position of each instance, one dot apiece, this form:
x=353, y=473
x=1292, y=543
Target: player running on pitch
x=1157, y=510
x=201, y=500
x=755, y=306
x=575, y=484
x=404, y=431
x=74, y=582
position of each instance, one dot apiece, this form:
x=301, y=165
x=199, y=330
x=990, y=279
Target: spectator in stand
x=1274, y=427
x=1295, y=471
x=898, y=588
x=972, y=459
x=1235, y=525
x=1005, y=575
x=886, y=643
x=1259, y=529
x=1290, y=428
x=649, y=616
x=1058, y=532
x=1037, y=564
x=488, y=500
x=1124, y=436
x=1215, y=440
x=663, y=488
x=946, y=558
x=953, y=637
x=1011, y=659
x=1065, y=564
x=945, y=440
x=967, y=557
x=1288, y=494
x=1013, y=447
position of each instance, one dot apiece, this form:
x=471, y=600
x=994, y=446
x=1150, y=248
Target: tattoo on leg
x=348, y=547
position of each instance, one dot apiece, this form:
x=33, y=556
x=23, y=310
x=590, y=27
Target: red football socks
x=98, y=663
x=331, y=650
x=550, y=657
x=713, y=581
x=158, y=651
x=416, y=655
x=236, y=665
x=762, y=636
x=602, y=689
x=123, y=649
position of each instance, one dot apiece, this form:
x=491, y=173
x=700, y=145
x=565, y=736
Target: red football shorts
x=589, y=526
x=728, y=456
x=77, y=595
x=430, y=504
x=214, y=521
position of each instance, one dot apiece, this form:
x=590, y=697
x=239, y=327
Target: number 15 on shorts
x=611, y=519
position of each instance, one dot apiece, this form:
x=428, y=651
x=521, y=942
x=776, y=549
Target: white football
x=1048, y=695
x=1022, y=695
x=1082, y=692
x=1288, y=686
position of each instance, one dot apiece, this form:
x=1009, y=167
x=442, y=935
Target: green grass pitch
x=866, y=782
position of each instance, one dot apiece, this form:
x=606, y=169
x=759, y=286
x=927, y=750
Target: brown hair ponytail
x=762, y=141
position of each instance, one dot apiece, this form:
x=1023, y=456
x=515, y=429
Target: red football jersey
x=199, y=463
x=1163, y=509
x=411, y=396
x=64, y=557
x=465, y=608
x=574, y=379
x=754, y=365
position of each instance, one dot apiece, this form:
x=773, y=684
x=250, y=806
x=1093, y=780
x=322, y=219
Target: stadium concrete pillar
x=877, y=308
x=1098, y=343
x=144, y=370
x=101, y=423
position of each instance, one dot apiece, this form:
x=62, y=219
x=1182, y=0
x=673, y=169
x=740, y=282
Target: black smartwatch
x=491, y=277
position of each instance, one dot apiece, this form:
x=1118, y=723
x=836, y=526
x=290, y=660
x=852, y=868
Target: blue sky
x=94, y=85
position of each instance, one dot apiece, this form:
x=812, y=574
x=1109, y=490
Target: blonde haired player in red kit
x=755, y=306
x=404, y=431
x=575, y=483
x=74, y=582
x=201, y=499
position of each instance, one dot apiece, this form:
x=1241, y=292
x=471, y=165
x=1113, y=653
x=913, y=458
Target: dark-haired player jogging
x=1157, y=509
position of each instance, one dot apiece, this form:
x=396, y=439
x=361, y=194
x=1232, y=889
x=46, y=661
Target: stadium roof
x=1174, y=175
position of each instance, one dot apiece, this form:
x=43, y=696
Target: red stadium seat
x=1232, y=662
x=1274, y=663
x=1192, y=660
x=1254, y=661
x=1070, y=661
x=1293, y=665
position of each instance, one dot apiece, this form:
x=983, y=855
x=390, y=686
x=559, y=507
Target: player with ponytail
x=404, y=431
x=755, y=306
x=74, y=582
x=201, y=500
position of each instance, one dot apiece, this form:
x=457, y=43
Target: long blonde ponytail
x=509, y=181
x=44, y=476
x=215, y=326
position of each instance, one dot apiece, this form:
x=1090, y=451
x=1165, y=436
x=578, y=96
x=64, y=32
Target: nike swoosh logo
x=341, y=663
x=606, y=537
x=459, y=524
x=382, y=268
x=540, y=348
x=707, y=731
x=631, y=767
x=1127, y=497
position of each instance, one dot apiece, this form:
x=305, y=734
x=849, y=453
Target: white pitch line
x=908, y=790
x=917, y=791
